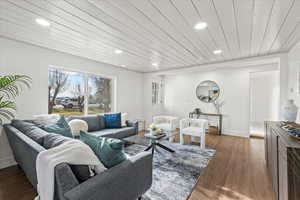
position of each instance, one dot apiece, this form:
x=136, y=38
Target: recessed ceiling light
x=218, y=51
x=118, y=51
x=123, y=65
x=200, y=26
x=154, y=64
x=42, y=22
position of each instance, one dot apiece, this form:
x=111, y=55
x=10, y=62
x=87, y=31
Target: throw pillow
x=78, y=125
x=53, y=140
x=30, y=130
x=113, y=120
x=60, y=127
x=110, y=151
x=124, y=118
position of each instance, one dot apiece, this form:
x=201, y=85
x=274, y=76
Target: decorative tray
x=292, y=129
x=294, y=137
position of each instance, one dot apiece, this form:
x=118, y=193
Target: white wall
x=21, y=58
x=294, y=76
x=264, y=100
x=180, y=97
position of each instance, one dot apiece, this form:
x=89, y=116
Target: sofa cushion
x=52, y=140
x=60, y=127
x=30, y=130
x=93, y=121
x=113, y=120
x=118, y=133
x=102, y=121
x=110, y=151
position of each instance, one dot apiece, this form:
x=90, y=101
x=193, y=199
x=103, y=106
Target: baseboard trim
x=7, y=162
x=257, y=137
x=235, y=133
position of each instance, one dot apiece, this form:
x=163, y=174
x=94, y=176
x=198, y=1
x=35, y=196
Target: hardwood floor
x=237, y=171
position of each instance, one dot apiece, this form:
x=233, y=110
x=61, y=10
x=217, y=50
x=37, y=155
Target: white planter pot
x=289, y=111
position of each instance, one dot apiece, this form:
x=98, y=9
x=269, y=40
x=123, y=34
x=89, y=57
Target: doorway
x=264, y=100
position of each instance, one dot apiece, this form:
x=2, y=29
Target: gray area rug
x=174, y=175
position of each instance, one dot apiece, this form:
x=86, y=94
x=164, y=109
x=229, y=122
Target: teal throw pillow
x=60, y=127
x=110, y=151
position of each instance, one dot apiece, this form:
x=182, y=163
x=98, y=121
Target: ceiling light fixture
x=200, y=26
x=218, y=51
x=42, y=22
x=118, y=51
x=123, y=65
x=154, y=64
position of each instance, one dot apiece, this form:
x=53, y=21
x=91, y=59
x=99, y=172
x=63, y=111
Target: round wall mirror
x=208, y=91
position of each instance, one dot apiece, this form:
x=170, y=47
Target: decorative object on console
x=208, y=91
x=78, y=125
x=292, y=129
x=10, y=88
x=218, y=104
x=289, y=111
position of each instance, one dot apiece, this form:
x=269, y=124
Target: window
x=156, y=93
x=78, y=93
x=99, y=94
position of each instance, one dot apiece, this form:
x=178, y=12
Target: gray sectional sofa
x=96, y=124
x=126, y=181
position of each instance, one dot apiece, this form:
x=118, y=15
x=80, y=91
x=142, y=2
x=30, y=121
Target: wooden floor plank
x=237, y=172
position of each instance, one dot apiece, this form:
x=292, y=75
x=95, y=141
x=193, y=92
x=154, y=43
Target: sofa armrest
x=65, y=180
x=127, y=181
x=133, y=123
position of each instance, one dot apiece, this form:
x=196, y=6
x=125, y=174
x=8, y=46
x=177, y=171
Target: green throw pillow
x=110, y=151
x=60, y=127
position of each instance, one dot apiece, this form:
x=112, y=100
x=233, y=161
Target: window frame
x=86, y=94
x=158, y=99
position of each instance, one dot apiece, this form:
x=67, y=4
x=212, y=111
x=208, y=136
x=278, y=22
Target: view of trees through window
x=155, y=93
x=75, y=93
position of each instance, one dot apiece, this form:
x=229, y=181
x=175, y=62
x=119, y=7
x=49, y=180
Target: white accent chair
x=168, y=124
x=194, y=128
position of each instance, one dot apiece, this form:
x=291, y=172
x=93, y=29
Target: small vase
x=289, y=111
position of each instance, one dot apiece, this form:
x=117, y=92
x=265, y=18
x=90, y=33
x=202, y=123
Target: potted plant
x=153, y=129
x=10, y=87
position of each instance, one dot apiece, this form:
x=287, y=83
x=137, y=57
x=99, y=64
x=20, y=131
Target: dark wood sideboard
x=283, y=162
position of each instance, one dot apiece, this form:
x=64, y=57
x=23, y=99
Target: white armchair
x=168, y=124
x=193, y=127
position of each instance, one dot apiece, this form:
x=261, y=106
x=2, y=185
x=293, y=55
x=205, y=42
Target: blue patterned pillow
x=110, y=151
x=60, y=127
x=113, y=120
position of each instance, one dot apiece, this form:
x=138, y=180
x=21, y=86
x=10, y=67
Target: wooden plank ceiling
x=155, y=34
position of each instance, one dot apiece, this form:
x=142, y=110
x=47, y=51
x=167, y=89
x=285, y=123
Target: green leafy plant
x=10, y=87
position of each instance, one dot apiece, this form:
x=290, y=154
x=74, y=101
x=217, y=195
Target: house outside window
x=78, y=93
